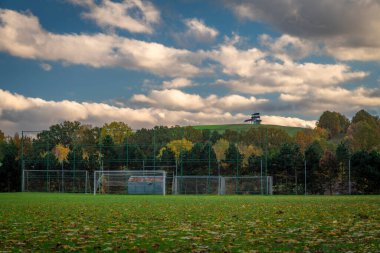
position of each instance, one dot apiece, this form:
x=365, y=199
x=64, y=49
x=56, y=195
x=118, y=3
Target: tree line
x=338, y=156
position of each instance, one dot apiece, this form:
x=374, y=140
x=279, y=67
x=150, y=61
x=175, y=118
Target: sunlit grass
x=78, y=222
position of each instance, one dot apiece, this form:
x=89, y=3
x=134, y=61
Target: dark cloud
x=341, y=24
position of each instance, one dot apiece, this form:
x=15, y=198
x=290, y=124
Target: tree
x=61, y=153
x=247, y=152
x=118, y=131
x=364, y=136
x=342, y=155
x=288, y=161
x=363, y=115
x=329, y=165
x=178, y=147
x=314, y=177
x=334, y=122
x=366, y=172
x=9, y=166
x=108, y=154
x=220, y=147
x=233, y=159
x=2, y=136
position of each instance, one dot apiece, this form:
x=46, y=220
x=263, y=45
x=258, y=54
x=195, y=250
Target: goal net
x=247, y=185
x=130, y=182
x=222, y=185
x=196, y=185
x=55, y=181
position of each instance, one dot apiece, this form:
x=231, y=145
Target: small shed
x=145, y=185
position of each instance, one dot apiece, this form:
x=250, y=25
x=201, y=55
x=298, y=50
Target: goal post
x=130, y=182
x=222, y=185
x=69, y=181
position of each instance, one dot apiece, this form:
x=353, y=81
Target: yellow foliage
x=61, y=152
x=249, y=150
x=85, y=155
x=118, y=131
x=177, y=146
x=220, y=148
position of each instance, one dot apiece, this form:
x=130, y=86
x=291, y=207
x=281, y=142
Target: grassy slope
x=244, y=127
x=64, y=222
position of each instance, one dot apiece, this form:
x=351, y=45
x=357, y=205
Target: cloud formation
x=198, y=30
x=19, y=113
x=178, y=100
x=259, y=73
x=177, y=83
x=23, y=36
x=136, y=16
x=350, y=30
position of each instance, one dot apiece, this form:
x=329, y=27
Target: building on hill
x=255, y=119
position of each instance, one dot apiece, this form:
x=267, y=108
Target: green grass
x=38, y=222
x=244, y=127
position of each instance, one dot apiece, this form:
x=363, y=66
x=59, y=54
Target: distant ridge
x=292, y=131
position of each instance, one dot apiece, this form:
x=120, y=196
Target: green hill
x=244, y=127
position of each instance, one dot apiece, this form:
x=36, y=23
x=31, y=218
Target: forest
x=338, y=156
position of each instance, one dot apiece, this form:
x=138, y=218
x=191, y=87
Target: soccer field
x=78, y=222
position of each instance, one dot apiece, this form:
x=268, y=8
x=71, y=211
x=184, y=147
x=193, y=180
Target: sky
x=186, y=62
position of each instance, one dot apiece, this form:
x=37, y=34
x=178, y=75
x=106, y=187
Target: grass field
x=244, y=127
x=77, y=222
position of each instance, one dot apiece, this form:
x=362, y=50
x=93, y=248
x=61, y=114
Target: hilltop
x=244, y=127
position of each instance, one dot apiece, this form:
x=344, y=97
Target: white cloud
x=287, y=47
x=288, y=121
x=133, y=15
x=238, y=62
x=23, y=36
x=350, y=30
x=178, y=100
x=19, y=113
x=257, y=73
x=46, y=67
x=177, y=83
x=198, y=30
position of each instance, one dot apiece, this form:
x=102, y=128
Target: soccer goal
x=196, y=185
x=222, y=185
x=75, y=181
x=247, y=185
x=130, y=182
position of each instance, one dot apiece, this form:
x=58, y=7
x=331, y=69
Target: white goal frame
x=223, y=185
x=152, y=182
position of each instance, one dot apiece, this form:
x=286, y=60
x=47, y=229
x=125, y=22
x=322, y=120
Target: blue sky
x=186, y=62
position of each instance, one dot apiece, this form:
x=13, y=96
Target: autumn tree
x=248, y=151
x=61, y=153
x=178, y=147
x=334, y=122
x=364, y=132
x=118, y=131
x=220, y=147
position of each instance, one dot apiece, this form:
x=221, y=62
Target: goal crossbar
x=130, y=182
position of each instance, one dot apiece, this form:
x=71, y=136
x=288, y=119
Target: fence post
x=94, y=182
x=349, y=176
x=305, y=178
x=261, y=175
